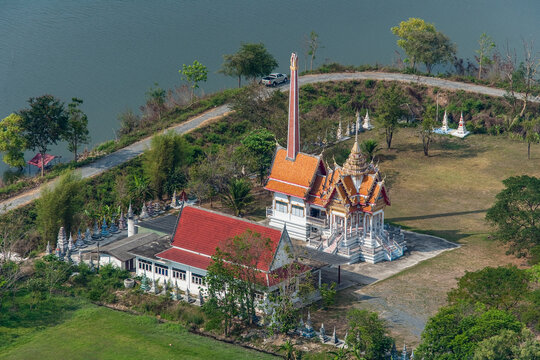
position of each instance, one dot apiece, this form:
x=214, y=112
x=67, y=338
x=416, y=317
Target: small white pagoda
x=461, y=131
x=444, y=129
x=367, y=122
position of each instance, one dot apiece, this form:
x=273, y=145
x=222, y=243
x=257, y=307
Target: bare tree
x=312, y=45
x=11, y=235
x=531, y=63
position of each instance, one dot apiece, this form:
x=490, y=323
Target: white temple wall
x=105, y=259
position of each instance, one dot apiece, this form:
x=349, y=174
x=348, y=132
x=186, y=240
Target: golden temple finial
x=294, y=62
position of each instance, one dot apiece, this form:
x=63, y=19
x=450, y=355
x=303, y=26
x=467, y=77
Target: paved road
x=109, y=161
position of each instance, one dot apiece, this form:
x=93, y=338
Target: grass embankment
x=83, y=331
x=175, y=116
x=446, y=194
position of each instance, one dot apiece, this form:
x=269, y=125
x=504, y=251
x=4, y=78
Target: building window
x=145, y=265
x=162, y=270
x=281, y=207
x=179, y=274
x=259, y=297
x=197, y=279
x=298, y=210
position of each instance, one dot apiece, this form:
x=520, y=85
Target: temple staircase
x=333, y=243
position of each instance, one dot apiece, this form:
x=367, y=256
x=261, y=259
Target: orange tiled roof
x=375, y=195
x=298, y=173
x=367, y=183
x=288, y=189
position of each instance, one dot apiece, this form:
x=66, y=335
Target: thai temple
x=339, y=209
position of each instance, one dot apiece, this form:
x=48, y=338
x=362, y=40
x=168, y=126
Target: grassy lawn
x=93, y=332
x=447, y=195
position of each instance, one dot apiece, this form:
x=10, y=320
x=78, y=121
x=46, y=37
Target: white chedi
x=367, y=122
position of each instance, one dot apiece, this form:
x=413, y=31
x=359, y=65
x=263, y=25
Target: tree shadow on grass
x=434, y=216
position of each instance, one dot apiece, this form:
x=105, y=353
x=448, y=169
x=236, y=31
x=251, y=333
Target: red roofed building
x=339, y=210
x=197, y=234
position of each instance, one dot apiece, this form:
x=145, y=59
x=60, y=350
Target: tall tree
x=250, y=61
x=367, y=335
x=406, y=30
x=233, y=277
x=516, y=214
x=427, y=128
x=76, y=132
x=390, y=102
x=168, y=152
x=44, y=123
x=531, y=133
x=423, y=43
x=313, y=44
x=509, y=344
x=529, y=68
x=258, y=148
x=194, y=74
x=58, y=206
x=12, y=141
x=486, y=47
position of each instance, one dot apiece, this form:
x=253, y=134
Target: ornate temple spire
x=293, y=137
x=61, y=241
x=358, y=117
x=356, y=164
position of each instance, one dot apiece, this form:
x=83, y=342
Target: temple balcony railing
x=318, y=222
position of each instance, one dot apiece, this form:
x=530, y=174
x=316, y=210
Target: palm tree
x=238, y=196
x=288, y=348
x=341, y=354
x=369, y=147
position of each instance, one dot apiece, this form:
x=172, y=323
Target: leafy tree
x=52, y=272
x=168, y=152
x=501, y=288
x=76, y=132
x=423, y=43
x=516, y=214
x=328, y=294
x=222, y=291
x=531, y=133
x=250, y=61
x=433, y=48
x=427, y=128
x=367, y=334
x=312, y=46
x=406, y=31
x=390, y=108
x=258, y=149
x=233, y=277
x=194, y=74
x=455, y=331
x=369, y=148
x=486, y=47
x=12, y=141
x=58, y=206
x=509, y=345
x=12, y=235
x=140, y=188
x=44, y=123
x=238, y=196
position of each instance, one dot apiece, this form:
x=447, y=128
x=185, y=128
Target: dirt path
x=123, y=155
